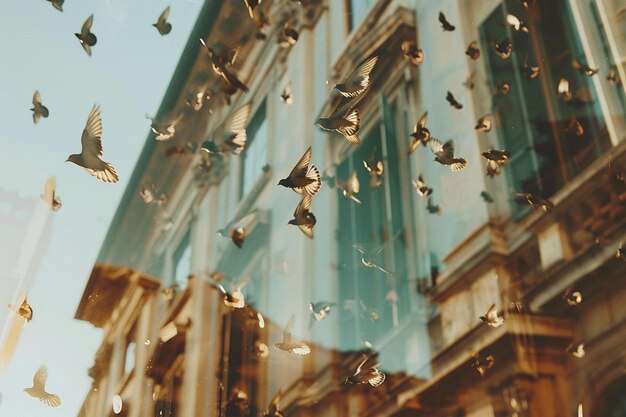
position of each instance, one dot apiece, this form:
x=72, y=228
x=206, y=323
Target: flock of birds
x=305, y=178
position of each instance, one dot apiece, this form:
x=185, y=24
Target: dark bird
x=320, y=310
x=412, y=53
x=517, y=24
x=289, y=36
x=57, y=4
x=49, y=194
x=303, y=218
x=432, y=208
x=351, y=187
x=483, y=124
x=24, y=310
x=219, y=64
x=530, y=71
x=613, y=76
x=503, y=49
x=536, y=202
x=444, y=23
x=495, y=160
x=230, y=135
x=574, y=127
x=486, y=197
x=89, y=156
x=453, y=101
x=357, y=82
x=85, y=37
x=164, y=131
x=422, y=189
x=162, y=25
x=304, y=177
x=347, y=124
x=444, y=154
x=376, y=170
x=584, y=68
x=472, y=50
x=39, y=110
x=238, y=231
x=38, y=390
x=273, y=409
x=366, y=374
x=481, y=362
x=287, y=345
x=286, y=96
x=491, y=318
x=251, y=5
x=420, y=133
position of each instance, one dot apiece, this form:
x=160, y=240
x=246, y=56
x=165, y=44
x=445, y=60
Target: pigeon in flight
x=422, y=189
x=453, y=101
x=444, y=23
x=491, y=318
x=536, y=202
x=231, y=135
x=481, y=362
x=303, y=218
x=420, y=133
x=162, y=25
x=298, y=348
x=57, y=4
x=251, y=5
x=376, y=169
x=320, y=310
x=351, y=187
x=444, y=154
x=472, y=50
x=495, y=160
x=219, y=63
x=503, y=49
x=85, y=37
x=164, y=131
x=412, y=53
x=49, y=194
x=366, y=374
x=357, y=82
x=24, y=310
x=39, y=110
x=89, y=157
x=304, y=177
x=38, y=390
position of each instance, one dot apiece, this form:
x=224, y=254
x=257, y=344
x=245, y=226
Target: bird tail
x=52, y=400
x=313, y=174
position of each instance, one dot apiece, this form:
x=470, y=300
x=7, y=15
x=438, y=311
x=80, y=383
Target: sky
x=127, y=75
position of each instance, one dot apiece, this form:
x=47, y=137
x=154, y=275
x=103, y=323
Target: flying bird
x=495, y=160
x=572, y=298
x=230, y=135
x=24, y=310
x=289, y=36
x=303, y=218
x=376, y=169
x=320, y=310
x=273, y=409
x=367, y=258
x=530, y=71
x=621, y=252
x=574, y=127
x=420, y=133
x=357, y=82
x=234, y=299
x=577, y=350
x=164, y=131
x=304, y=177
x=503, y=49
x=366, y=374
x=502, y=88
x=38, y=390
x=287, y=345
x=421, y=187
x=444, y=23
x=89, y=157
x=432, y=208
x=444, y=154
x=412, y=53
x=483, y=124
x=162, y=25
x=57, y=4
x=453, y=101
x=491, y=318
x=486, y=197
x=536, y=202
x=481, y=362
x=49, y=194
x=220, y=62
x=351, y=187
x=85, y=37
x=251, y=5
x=346, y=124
x=286, y=96
x=472, y=50
x=584, y=68
x=39, y=110
x=613, y=76
x=516, y=23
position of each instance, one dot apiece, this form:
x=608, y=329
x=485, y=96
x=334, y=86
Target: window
x=377, y=301
x=356, y=11
x=254, y=157
x=182, y=260
x=534, y=123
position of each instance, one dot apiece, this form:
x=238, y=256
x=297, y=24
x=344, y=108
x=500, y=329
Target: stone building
x=407, y=277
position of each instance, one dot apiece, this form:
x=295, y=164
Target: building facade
x=406, y=277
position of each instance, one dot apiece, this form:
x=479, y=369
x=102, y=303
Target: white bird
x=491, y=317
x=89, y=156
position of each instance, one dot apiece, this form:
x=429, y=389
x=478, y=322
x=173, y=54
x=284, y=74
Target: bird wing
x=40, y=378
x=49, y=189
x=236, y=122
x=448, y=149
x=164, y=15
x=353, y=183
x=36, y=98
x=87, y=26
x=92, y=134
x=52, y=400
x=358, y=368
x=362, y=73
x=302, y=166
x=304, y=205
x=492, y=313
x=437, y=147
x=421, y=123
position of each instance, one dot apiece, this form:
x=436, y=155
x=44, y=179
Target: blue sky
x=127, y=75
